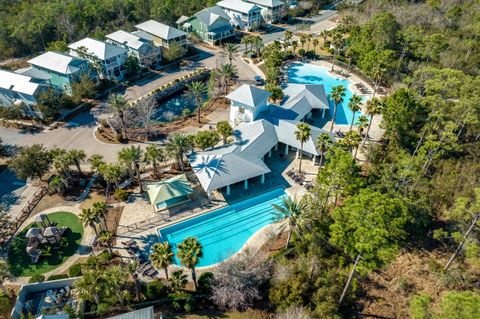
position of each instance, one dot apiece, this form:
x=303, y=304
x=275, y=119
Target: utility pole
x=350, y=277
x=460, y=246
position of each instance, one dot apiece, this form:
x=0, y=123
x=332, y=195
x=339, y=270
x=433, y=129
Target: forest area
x=407, y=218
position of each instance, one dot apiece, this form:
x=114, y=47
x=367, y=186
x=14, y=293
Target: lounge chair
x=129, y=242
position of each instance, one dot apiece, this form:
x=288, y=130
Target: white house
x=272, y=10
x=142, y=48
x=247, y=102
x=243, y=15
x=259, y=128
x=20, y=90
x=107, y=59
x=162, y=34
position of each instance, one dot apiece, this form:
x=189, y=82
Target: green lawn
x=19, y=260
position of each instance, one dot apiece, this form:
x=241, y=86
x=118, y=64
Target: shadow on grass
x=20, y=262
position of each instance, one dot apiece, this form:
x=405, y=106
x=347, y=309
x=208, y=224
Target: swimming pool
x=224, y=231
x=304, y=73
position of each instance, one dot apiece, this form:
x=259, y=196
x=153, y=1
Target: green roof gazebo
x=170, y=192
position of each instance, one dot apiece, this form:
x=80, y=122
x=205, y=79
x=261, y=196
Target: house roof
x=35, y=74
x=215, y=170
x=99, y=49
x=239, y=6
x=18, y=82
x=174, y=187
x=249, y=95
x=211, y=15
x=256, y=138
x=160, y=30
x=145, y=313
x=57, y=62
x=144, y=35
x=314, y=93
x=130, y=40
x=181, y=20
x=267, y=3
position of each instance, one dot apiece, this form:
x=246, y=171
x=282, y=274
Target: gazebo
x=170, y=192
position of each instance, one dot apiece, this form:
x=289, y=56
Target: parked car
x=258, y=80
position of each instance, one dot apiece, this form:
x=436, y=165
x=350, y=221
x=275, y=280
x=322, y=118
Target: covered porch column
x=245, y=184
x=270, y=153
x=314, y=158
x=228, y=190
x=276, y=147
x=286, y=149
x=323, y=113
x=262, y=179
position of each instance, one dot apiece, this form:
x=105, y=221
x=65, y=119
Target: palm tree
x=315, y=43
x=230, y=49
x=295, y=46
x=225, y=130
x=354, y=106
x=111, y=174
x=96, y=161
x=162, y=256
x=288, y=36
x=177, y=281
x=245, y=40
x=303, y=40
x=377, y=73
x=116, y=281
x=292, y=211
x=89, y=218
x=100, y=210
x=337, y=46
x=153, y=155
x=337, y=95
x=77, y=156
x=197, y=90
x=257, y=43
x=57, y=184
x=132, y=156
x=105, y=237
x=352, y=140
x=309, y=40
x=90, y=285
x=374, y=107
x=361, y=124
x=227, y=73
x=324, y=143
x=177, y=145
x=302, y=134
x=189, y=252
x=119, y=105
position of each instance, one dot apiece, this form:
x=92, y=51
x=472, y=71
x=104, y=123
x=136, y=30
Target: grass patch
x=20, y=262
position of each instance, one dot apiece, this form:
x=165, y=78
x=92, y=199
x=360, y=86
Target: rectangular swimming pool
x=224, y=231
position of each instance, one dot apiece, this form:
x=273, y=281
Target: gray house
x=138, y=45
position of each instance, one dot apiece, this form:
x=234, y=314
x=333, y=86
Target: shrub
x=120, y=194
x=205, y=282
x=155, y=290
x=190, y=304
x=75, y=270
x=36, y=278
x=5, y=306
x=104, y=123
x=56, y=277
x=119, y=138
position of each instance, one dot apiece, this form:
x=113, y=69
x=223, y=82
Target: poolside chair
x=129, y=242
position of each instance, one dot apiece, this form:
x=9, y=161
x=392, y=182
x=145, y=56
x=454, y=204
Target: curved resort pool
x=304, y=73
x=224, y=231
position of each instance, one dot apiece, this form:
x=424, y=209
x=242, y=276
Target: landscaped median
x=20, y=262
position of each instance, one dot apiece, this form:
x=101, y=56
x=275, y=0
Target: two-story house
x=107, y=59
x=243, y=15
x=142, y=48
x=20, y=90
x=59, y=69
x=212, y=25
x=272, y=10
x=163, y=35
x=247, y=102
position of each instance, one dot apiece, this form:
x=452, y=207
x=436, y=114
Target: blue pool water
x=224, y=231
x=304, y=73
